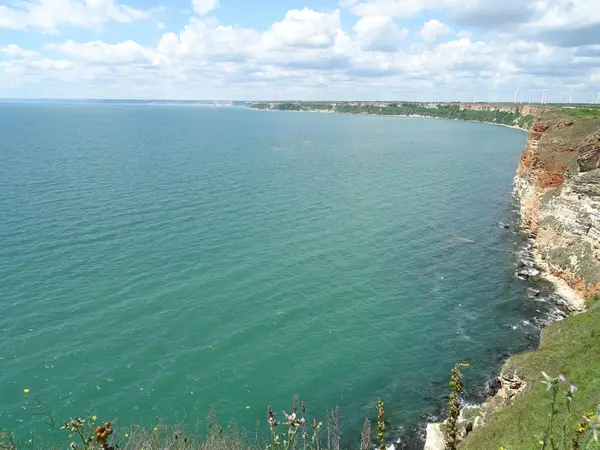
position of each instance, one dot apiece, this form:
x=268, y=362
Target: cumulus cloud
x=376, y=33
x=560, y=22
x=433, y=30
x=312, y=54
x=14, y=51
x=202, y=7
x=462, y=12
x=305, y=28
x=48, y=15
x=101, y=52
x=209, y=40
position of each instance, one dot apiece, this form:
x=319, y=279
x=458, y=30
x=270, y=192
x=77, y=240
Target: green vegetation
x=526, y=121
x=580, y=111
x=570, y=347
x=456, y=389
x=505, y=115
x=292, y=432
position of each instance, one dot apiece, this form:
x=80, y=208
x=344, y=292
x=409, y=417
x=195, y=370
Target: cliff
x=558, y=185
x=510, y=114
x=558, y=188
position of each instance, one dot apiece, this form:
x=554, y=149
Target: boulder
x=466, y=419
x=527, y=272
x=435, y=437
x=493, y=386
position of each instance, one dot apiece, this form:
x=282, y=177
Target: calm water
x=159, y=260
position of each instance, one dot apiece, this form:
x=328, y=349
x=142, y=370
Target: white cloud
x=433, y=30
x=207, y=39
x=48, y=15
x=305, y=28
x=561, y=22
x=14, y=51
x=478, y=11
x=566, y=13
x=160, y=25
x=98, y=52
x=308, y=54
x=392, y=8
x=202, y=7
x=11, y=19
x=379, y=34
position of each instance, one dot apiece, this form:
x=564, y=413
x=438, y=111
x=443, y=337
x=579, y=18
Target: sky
x=427, y=50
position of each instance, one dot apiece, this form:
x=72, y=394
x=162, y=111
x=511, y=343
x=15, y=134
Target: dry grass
x=207, y=434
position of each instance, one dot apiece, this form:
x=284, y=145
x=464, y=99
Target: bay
x=157, y=260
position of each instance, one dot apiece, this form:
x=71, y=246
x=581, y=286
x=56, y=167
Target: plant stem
x=552, y=414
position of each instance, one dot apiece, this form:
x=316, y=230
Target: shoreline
x=503, y=387
x=573, y=300
x=514, y=127
x=568, y=303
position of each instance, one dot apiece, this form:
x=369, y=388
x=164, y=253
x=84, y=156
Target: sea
x=157, y=261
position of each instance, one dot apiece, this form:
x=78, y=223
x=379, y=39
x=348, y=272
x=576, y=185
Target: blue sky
x=300, y=49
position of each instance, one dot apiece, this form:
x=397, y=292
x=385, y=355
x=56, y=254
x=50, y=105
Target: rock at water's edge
x=435, y=437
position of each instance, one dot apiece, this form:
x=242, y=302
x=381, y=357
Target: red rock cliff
x=558, y=185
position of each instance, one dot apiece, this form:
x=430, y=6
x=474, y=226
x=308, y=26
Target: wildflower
x=126, y=435
x=26, y=391
x=30, y=441
x=562, y=379
x=292, y=417
x=93, y=417
x=155, y=428
x=572, y=389
x=302, y=420
x=103, y=432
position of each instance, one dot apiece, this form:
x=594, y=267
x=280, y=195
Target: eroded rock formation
x=558, y=184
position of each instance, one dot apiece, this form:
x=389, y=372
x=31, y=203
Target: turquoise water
x=159, y=260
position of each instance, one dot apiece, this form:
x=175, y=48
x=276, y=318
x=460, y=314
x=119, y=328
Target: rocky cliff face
x=558, y=185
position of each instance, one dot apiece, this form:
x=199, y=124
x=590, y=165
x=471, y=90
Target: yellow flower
x=70, y=435
x=126, y=435
x=155, y=428
x=30, y=441
x=26, y=391
x=93, y=417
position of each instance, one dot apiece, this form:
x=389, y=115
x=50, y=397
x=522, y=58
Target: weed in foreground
x=456, y=389
x=588, y=428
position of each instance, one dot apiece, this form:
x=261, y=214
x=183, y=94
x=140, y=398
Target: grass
x=284, y=432
x=207, y=435
x=570, y=347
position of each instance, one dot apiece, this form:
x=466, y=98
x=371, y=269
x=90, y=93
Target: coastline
x=573, y=300
x=504, y=387
x=514, y=127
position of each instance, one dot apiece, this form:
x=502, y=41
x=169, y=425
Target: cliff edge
x=558, y=185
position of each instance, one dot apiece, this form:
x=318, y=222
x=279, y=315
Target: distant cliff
x=558, y=184
x=510, y=114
